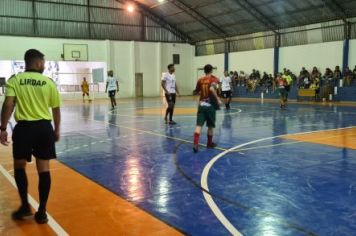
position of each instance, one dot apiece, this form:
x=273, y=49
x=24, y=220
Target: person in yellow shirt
x=31, y=95
x=85, y=89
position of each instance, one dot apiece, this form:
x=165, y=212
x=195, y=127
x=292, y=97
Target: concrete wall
x=125, y=58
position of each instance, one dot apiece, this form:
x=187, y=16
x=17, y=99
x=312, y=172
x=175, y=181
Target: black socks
x=22, y=184
x=44, y=186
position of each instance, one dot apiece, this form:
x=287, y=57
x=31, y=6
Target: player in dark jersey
x=209, y=102
x=282, y=92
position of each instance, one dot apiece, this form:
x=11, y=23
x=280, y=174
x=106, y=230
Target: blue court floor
x=257, y=182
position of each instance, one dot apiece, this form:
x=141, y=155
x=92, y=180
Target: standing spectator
x=337, y=75
x=234, y=79
x=252, y=75
x=328, y=76
x=304, y=78
x=264, y=80
x=293, y=76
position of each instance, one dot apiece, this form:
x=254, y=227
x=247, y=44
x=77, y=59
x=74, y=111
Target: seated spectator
x=315, y=74
x=263, y=81
x=303, y=79
x=252, y=82
x=316, y=86
x=337, y=75
x=328, y=77
x=242, y=78
x=233, y=79
x=293, y=76
x=270, y=82
x=252, y=75
x=354, y=72
x=348, y=76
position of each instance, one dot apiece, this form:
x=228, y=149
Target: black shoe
x=22, y=212
x=195, y=148
x=165, y=121
x=211, y=146
x=41, y=217
x=172, y=122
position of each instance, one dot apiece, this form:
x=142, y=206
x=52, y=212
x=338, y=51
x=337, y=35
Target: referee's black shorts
x=34, y=138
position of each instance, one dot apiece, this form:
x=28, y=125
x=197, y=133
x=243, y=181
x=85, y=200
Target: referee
x=31, y=95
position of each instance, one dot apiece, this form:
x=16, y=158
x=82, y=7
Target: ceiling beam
x=259, y=16
x=199, y=17
x=335, y=7
x=146, y=11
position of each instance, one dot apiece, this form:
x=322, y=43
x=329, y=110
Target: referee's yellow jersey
x=35, y=94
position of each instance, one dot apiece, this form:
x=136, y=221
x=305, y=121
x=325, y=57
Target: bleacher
x=343, y=93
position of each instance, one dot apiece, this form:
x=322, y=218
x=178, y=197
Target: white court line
x=204, y=177
x=178, y=116
x=51, y=222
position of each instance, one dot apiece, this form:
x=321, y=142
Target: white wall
x=215, y=60
x=321, y=55
x=184, y=71
x=13, y=48
x=152, y=60
x=124, y=58
x=352, y=55
x=261, y=60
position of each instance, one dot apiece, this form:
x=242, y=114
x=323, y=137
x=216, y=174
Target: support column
x=346, y=46
x=226, y=55
x=277, y=44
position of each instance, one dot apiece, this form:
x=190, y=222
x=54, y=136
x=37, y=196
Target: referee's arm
x=56, y=113
x=6, y=113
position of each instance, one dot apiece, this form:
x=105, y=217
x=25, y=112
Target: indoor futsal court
x=177, y=117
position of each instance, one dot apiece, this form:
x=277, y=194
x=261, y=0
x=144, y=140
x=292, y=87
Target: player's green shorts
x=282, y=92
x=206, y=114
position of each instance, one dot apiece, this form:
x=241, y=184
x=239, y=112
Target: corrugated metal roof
x=180, y=20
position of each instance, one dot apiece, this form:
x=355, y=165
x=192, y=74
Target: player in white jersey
x=112, y=86
x=226, y=89
x=169, y=85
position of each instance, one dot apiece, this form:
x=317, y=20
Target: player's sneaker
x=172, y=122
x=211, y=145
x=22, y=212
x=41, y=217
x=195, y=148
